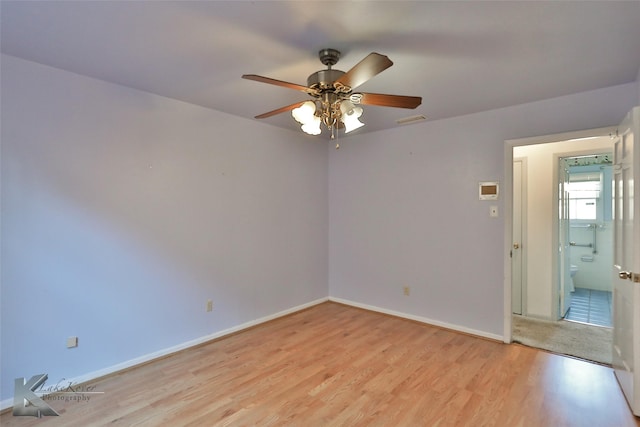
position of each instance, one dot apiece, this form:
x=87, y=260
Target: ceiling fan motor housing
x=324, y=79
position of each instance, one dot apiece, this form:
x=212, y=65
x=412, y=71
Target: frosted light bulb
x=312, y=127
x=304, y=113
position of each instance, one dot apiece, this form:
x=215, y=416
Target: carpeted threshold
x=574, y=339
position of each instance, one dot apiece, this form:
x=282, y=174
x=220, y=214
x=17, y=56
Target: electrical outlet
x=406, y=290
x=72, y=342
x=209, y=305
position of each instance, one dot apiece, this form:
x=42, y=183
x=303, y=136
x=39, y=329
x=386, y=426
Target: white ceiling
x=461, y=57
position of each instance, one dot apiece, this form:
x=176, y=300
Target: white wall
x=594, y=274
x=123, y=212
x=404, y=207
x=540, y=213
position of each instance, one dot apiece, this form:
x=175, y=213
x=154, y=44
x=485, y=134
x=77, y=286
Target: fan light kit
x=334, y=103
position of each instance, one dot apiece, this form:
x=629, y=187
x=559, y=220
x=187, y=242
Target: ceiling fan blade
x=372, y=65
x=280, y=110
x=382, y=100
x=276, y=82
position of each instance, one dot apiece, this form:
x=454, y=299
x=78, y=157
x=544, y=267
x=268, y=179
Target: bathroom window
x=583, y=209
x=584, y=196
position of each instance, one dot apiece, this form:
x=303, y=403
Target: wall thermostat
x=488, y=191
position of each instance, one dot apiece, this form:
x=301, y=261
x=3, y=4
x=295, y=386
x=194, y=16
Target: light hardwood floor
x=333, y=365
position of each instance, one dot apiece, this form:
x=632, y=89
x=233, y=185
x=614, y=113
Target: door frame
x=509, y=144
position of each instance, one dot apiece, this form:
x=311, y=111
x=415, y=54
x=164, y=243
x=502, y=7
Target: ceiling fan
x=335, y=104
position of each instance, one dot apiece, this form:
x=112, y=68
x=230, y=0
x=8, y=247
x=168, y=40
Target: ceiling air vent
x=411, y=119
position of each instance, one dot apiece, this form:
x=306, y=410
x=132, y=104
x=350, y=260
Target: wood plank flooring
x=333, y=365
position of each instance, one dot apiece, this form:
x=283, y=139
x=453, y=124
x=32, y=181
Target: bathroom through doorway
x=588, y=192
x=540, y=273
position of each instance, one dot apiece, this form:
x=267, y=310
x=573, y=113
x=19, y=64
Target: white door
x=626, y=259
x=516, y=251
x=564, y=261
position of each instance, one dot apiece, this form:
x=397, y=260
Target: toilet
x=573, y=269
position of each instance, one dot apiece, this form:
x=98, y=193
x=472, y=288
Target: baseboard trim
x=8, y=403
x=420, y=319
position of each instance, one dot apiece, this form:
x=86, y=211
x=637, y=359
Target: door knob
x=516, y=246
x=625, y=275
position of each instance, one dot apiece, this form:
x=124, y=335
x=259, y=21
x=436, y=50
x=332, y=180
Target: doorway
x=590, y=236
x=540, y=273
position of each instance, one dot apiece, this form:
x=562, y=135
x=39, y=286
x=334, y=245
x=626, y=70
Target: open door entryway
x=554, y=234
x=625, y=347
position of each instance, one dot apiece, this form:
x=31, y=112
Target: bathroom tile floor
x=590, y=306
